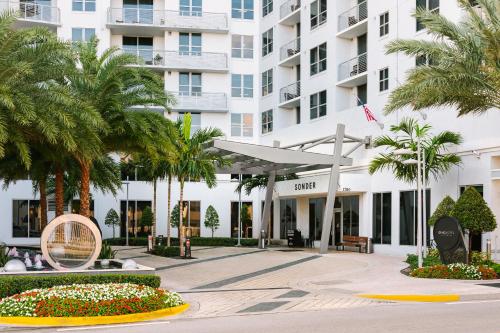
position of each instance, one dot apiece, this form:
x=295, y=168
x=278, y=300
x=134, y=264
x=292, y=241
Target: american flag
x=369, y=114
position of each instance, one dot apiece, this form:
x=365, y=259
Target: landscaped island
x=88, y=300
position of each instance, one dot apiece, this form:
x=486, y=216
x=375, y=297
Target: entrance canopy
x=272, y=161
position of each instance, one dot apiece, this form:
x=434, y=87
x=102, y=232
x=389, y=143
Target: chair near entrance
x=354, y=241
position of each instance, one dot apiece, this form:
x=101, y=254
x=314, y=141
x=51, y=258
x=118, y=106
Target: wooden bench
x=354, y=241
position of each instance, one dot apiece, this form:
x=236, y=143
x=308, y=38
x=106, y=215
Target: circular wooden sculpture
x=71, y=242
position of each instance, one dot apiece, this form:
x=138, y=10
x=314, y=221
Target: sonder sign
x=305, y=186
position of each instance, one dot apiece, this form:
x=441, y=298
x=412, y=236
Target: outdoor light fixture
x=410, y=161
x=403, y=151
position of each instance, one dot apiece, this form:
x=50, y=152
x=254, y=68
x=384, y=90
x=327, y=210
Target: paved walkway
x=237, y=281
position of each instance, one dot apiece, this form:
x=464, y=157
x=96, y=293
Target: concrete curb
x=414, y=298
x=91, y=321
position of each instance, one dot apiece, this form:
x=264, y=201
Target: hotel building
x=264, y=71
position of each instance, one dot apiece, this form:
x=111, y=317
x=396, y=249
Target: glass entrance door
x=338, y=225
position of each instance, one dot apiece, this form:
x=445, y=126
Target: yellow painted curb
x=89, y=321
x=414, y=298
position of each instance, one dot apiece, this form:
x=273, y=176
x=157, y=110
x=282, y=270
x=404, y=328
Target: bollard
x=150, y=243
x=488, y=249
x=263, y=239
x=187, y=249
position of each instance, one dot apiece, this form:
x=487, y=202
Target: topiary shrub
x=112, y=220
x=174, y=216
x=212, y=219
x=444, y=208
x=474, y=214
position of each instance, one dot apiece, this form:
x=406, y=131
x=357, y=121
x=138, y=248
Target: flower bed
x=455, y=271
x=88, y=300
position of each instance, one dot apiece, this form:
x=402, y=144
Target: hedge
x=11, y=285
x=195, y=241
x=172, y=251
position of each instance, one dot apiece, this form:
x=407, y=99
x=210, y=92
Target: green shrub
x=496, y=268
x=164, y=251
x=443, y=209
x=431, y=260
x=11, y=285
x=195, y=241
x=480, y=259
x=106, y=251
x=3, y=255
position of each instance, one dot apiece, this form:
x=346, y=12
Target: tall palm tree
x=464, y=66
x=113, y=84
x=438, y=159
x=194, y=162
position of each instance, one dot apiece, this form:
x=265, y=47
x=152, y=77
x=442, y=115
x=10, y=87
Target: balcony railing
x=352, y=16
x=289, y=7
x=181, y=59
x=290, y=49
x=353, y=67
x=290, y=92
x=200, y=101
x=32, y=11
x=168, y=19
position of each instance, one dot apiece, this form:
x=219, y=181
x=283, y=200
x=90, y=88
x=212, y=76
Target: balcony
x=290, y=96
x=353, y=72
x=136, y=20
x=201, y=102
x=182, y=61
x=290, y=12
x=353, y=22
x=290, y=53
x=33, y=14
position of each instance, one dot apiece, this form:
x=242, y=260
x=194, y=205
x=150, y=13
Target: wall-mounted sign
x=305, y=186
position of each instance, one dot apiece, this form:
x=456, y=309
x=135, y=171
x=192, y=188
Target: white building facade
x=265, y=71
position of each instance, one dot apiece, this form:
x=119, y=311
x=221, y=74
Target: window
x=267, y=42
x=382, y=218
x=362, y=94
x=318, y=104
x=424, y=60
x=75, y=207
x=350, y=208
x=267, y=82
x=138, y=11
x=190, y=7
x=241, y=85
x=135, y=210
x=139, y=46
x=430, y=5
x=246, y=219
x=383, y=79
x=242, y=46
x=242, y=9
x=191, y=217
x=384, y=24
x=288, y=216
x=479, y=188
x=242, y=124
x=190, y=44
x=408, y=217
x=318, y=59
x=318, y=13
x=267, y=121
x=84, y=5
x=190, y=84
x=26, y=218
x=82, y=34
x=267, y=7
x=195, y=121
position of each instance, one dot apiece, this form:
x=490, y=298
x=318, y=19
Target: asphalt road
x=473, y=316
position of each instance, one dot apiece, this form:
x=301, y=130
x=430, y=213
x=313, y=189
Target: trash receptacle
x=369, y=246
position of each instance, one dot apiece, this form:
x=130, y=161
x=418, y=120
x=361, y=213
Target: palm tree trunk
x=169, y=190
x=42, y=187
x=181, y=209
x=153, y=228
x=59, y=191
x=85, y=188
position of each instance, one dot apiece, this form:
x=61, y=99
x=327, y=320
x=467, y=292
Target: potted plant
x=106, y=253
x=158, y=59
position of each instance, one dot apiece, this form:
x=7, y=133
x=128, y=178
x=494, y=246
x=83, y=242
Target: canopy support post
x=332, y=190
x=266, y=215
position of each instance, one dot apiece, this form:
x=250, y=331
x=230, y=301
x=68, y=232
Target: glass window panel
x=20, y=218
x=76, y=34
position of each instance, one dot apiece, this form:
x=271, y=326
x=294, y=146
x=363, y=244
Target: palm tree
x=464, y=62
x=113, y=84
x=194, y=162
x=438, y=160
